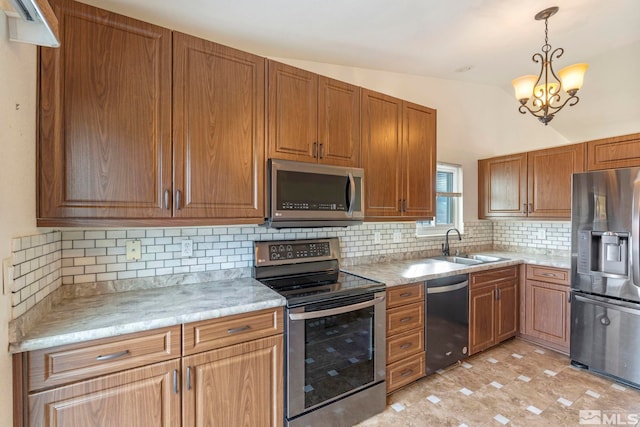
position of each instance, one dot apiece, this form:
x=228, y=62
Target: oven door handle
x=337, y=310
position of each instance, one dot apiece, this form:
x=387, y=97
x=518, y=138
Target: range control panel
x=292, y=251
x=298, y=250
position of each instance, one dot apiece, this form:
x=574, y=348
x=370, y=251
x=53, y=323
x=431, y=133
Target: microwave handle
x=351, y=194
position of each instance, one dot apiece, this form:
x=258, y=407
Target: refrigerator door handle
x=635, y=231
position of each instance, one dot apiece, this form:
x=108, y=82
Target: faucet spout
x=445, y=245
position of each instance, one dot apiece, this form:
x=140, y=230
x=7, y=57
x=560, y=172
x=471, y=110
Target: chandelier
x=547, y=93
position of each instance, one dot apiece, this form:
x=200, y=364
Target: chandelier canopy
x=547, y=93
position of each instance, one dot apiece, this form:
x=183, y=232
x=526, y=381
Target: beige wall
x=17, y=175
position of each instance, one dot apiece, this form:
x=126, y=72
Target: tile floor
x=514, y=384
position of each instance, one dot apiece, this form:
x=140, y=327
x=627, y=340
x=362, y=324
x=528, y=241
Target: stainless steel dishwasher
x=447, y=328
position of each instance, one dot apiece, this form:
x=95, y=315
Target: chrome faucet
x=445, y=245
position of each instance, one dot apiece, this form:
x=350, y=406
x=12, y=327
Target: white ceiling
x=435, y=38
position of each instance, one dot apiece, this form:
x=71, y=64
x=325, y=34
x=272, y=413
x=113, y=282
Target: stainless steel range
x=334, y=333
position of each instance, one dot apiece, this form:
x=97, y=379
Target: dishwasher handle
x=449, y=288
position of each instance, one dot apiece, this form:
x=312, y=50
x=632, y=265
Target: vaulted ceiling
x=480, y=41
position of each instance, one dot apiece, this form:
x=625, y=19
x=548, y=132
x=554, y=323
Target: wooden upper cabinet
x=617, y=152
x=549, y=180
x=502, y=186
x=399, y=157
x=104, y=147
x=218, y=130
x=419, y=160
x=293, y=113
x=382, y=154
x=533, y=184
x=135, y=129
x=338, y=122
x=312, y=118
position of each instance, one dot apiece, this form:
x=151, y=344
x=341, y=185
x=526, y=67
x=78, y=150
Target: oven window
x=338, y=355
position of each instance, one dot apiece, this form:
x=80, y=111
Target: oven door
x=334, y=348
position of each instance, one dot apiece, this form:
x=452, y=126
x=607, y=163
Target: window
x=448, y=202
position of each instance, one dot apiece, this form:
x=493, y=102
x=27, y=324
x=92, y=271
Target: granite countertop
x=88, y=317
x=396, y=273
x=107, y=315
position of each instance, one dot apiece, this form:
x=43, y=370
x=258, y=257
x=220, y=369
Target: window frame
x=430, y=227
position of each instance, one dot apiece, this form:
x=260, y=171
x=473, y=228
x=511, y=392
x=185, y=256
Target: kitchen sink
x=470, y=259
x=459, y=260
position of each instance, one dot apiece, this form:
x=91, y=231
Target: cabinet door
x=482, y=309
x=144, y=396
x=240, y=385
x=218, y=128
x=547, y=313
x=549, y=180
x=293, y=113
x=104, y=147
x=419, y=160
x=506, y=310
x=338, y=123
x=502, y=186
x=618, y=152
x=381, y=153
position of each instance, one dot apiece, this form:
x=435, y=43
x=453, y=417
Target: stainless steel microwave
x=313, y=195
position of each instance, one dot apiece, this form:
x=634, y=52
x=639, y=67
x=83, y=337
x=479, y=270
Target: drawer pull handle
x=406, y=319
x=112, y=356
x=188, y=377
x=175, y=381
x=406, y=345
x=237, y=330
x=406, y=294
x=406, y=372
x=548, y=274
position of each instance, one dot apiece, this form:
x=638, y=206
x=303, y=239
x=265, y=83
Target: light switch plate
x=133, y=250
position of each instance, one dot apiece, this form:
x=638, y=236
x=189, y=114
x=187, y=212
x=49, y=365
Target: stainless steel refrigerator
x=605, y=273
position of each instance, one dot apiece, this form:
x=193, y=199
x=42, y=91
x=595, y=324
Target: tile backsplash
x=44, y=262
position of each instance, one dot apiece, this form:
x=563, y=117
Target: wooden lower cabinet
x=239, y=385
x=546, y=314
x=406, y=357
x=144, y=396
x=493, y=307
x=230, y=374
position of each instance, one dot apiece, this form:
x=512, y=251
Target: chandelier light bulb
x=545, y=94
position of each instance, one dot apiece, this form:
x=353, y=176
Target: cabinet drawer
x=404, y=318
x=405, y=371
x=405, y=294
x=405, y=344
x=64, y=364
x=217, y=333
x=548, y=274
x=495, y=275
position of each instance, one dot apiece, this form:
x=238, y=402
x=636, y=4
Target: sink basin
x=460, y=260
x=470, y=259
x=485, y=258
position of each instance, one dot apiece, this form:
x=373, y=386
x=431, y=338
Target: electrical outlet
x=187, y=247
x=542, y=233
x=397, y=237
x=134, y=250
x=376, y=238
